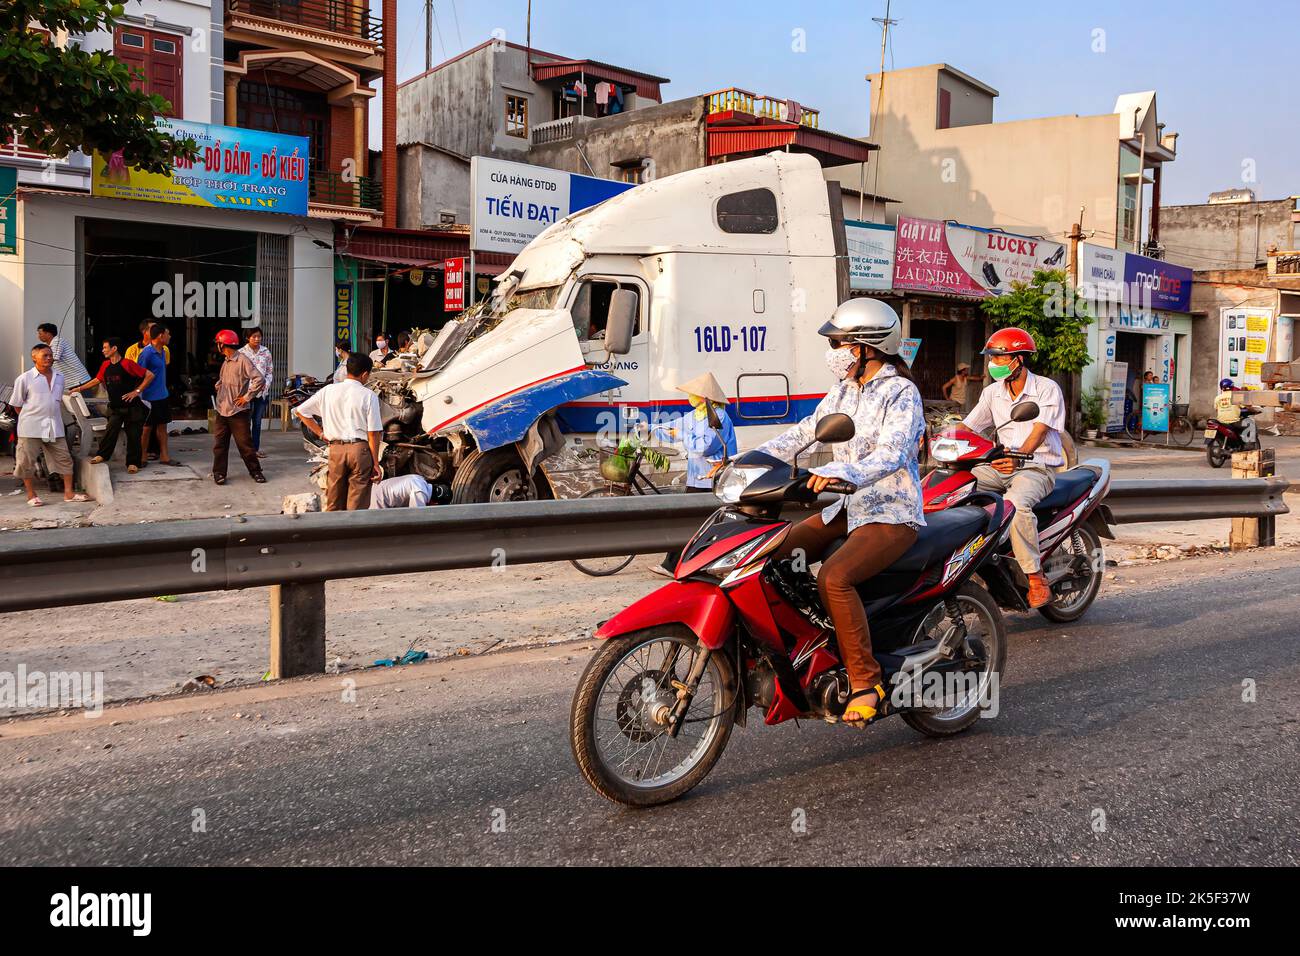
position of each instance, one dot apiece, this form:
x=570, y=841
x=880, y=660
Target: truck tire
x=495, y=476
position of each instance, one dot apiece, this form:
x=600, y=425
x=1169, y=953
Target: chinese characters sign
x=933, y=256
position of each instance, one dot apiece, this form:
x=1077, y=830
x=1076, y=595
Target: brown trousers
x=869, y=550
x=240, y=428
x=348, y=478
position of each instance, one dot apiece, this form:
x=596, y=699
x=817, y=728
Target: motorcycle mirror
x=838, y=427
x=621, y=322
x=714, y=421
x=1025, y=412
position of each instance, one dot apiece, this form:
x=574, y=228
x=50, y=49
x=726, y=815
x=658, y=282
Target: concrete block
x=300, y=504
x=95, y=480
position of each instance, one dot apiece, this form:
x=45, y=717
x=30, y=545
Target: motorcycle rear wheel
x=619, y=748
x=1215, y=453
x=1070, y=607
x=984, y=623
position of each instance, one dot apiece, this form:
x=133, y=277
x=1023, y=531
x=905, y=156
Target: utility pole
x=428, y=35
x=885, y=24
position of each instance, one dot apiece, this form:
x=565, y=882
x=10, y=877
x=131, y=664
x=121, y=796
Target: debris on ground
x=202, y=682
x=300, y=504
x=410, y=657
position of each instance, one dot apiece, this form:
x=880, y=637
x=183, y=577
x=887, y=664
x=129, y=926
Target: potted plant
x=1095, y=411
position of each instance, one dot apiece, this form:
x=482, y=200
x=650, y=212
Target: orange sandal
x=862, y=714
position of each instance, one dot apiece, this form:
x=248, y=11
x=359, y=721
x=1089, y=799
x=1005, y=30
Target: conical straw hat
x=705, y=386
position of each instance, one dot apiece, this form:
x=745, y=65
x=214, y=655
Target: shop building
x=96, y=260
x=1242, y=318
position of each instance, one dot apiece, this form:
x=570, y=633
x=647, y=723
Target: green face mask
x=999, y=372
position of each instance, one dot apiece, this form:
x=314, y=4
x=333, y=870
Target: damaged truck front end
x=476, y=417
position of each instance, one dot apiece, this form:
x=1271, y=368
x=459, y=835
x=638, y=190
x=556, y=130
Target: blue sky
x=1221, y=71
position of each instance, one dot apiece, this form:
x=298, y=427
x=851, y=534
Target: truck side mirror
x=621, y=322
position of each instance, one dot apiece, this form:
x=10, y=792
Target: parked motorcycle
x=736, y=629
x=1072, y=520
x=1224, y=438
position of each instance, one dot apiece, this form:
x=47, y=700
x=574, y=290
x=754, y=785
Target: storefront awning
x=404, y=248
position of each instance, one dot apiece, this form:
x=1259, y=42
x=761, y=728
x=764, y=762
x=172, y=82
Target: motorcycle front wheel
x=619, y=740
x=986, y=637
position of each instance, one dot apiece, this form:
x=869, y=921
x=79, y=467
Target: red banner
x=453, y=284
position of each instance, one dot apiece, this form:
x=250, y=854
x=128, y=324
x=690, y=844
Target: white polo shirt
x=993, y=412
x=407, y=491
x=41, y=401
x=347, y=410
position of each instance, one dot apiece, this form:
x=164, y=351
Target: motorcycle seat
x=1070, y=487
x=944, y=533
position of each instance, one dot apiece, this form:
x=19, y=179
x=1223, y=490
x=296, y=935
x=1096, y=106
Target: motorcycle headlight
x=950, y=449
x=728, y=562
x=732, y=481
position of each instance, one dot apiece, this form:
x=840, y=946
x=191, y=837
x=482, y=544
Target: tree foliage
x=1049, y=309
x=59, y=99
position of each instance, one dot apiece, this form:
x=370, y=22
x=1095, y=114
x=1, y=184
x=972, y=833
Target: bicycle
x=1180, y=425
x=635, y=483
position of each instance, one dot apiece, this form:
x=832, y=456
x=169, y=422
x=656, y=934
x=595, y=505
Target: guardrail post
x=1253, y=532
x=297, y=629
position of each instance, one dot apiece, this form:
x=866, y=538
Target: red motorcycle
x=735, y=629
x=1072, y=520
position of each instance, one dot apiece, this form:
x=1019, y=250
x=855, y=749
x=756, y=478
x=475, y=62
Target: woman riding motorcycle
x=873, y=387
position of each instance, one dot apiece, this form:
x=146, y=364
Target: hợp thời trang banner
x=241, y=169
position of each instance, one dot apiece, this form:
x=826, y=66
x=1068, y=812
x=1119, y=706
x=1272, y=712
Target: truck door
x=617, y=408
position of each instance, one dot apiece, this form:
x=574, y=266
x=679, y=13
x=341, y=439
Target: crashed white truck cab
x=728, y=269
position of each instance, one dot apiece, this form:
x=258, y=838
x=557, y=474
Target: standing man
x=350, y=423
x=38, y=399
x=954, y=390
x=237, y=385
x=260, y=356
x=153, y=358
x=134, y=350
x=382, y=352
x=124, y=380
x=1013, y=383
x=66, y=362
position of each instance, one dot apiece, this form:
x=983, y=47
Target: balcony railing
x=359, y=192
x=735, y=100
x=347, y=17
x=554, y=131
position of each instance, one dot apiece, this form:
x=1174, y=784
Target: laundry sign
x=934, y=256
x=512, y=203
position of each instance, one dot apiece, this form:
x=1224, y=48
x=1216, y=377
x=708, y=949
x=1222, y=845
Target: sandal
x=77, y=499
x=132, y=469
x=97, y=460
x=34, y=502
x=859, y=715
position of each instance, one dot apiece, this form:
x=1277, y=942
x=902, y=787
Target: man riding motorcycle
x=1007, y=351
x=874, y=387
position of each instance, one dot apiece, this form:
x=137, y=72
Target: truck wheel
x=494, y=476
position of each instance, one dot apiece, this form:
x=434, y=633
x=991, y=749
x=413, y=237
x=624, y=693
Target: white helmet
x=866, y=321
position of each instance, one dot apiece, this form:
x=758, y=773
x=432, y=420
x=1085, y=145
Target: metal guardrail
x=295, y=555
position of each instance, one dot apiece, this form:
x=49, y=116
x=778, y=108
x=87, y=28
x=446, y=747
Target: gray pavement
x=1136, y=714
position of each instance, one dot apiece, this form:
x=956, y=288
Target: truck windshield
x=543, y=298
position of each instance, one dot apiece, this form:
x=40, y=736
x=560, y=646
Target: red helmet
x=227, y=337
x=1011, y=341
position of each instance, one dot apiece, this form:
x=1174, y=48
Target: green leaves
x=64, y=99
x=1050, y=310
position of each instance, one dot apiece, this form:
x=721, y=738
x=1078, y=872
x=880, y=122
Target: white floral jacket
x=881, y=458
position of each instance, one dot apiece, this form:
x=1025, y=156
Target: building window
x=516, y=115
x=1126, y=203
x=632, y=172
x=280, y=109
x=155, y=62
x=752, y=211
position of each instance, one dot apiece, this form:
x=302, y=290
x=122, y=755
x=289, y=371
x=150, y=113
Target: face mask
x=999, y=372
x=381, y=345
x=840, y=361
x=697, y=403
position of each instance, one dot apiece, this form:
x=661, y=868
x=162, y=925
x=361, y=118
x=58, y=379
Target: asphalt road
x=1136, y=714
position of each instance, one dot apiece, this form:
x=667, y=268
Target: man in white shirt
x=382, y=353
x=66, y=362
x=38, y=398
x=350, y=422
x=1013, y=384
x=408, y=491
